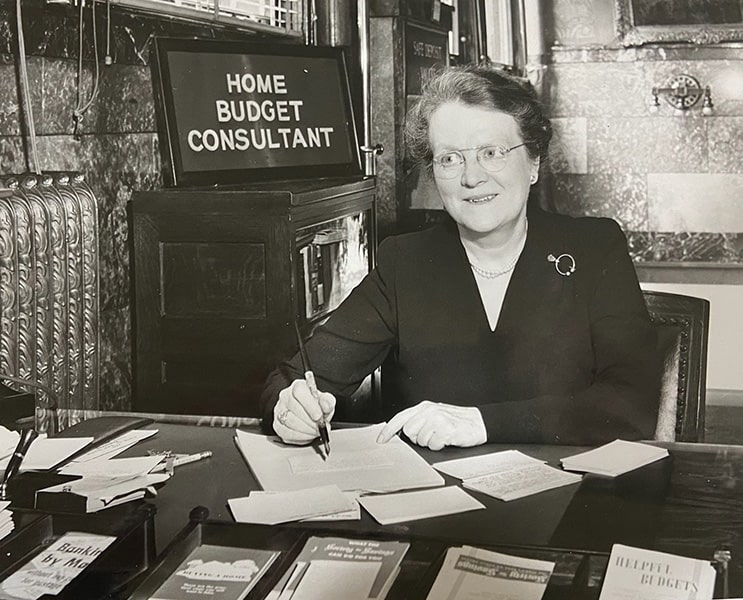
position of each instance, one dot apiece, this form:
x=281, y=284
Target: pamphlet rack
x=113, y=573
x=417, y=571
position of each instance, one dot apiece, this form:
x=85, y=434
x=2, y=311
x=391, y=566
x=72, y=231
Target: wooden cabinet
x=221, y=274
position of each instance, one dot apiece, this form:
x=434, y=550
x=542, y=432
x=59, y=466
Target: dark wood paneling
x=216, y=288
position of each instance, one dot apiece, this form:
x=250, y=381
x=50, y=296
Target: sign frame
x=178, y=174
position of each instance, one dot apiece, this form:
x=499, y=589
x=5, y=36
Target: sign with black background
x=240, y=111
x=424, y=48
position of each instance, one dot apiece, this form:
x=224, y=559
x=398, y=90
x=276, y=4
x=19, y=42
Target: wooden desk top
x=688, y=504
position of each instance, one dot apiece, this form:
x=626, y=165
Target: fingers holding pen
x=298, y=413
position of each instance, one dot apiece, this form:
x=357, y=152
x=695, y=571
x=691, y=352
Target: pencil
x=312, y=384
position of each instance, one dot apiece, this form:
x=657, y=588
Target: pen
x=189, y=458
x=27, y=437
x=180, y=459
x=312, y=384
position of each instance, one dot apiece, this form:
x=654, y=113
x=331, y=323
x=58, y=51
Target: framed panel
x=697, y=21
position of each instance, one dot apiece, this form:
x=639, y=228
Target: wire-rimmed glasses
x=450, y=164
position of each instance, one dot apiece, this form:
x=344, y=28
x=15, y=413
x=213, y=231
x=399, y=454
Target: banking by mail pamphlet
x=216, y=573
x=52, y=569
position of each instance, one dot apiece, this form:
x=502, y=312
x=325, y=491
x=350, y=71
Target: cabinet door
x=212, y=302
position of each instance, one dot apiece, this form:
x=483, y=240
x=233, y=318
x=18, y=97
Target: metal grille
x=49, y=291
x=276, y=16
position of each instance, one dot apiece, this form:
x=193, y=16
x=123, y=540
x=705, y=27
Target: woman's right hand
x=298, y=413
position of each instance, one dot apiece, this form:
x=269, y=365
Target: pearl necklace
x=507, y=269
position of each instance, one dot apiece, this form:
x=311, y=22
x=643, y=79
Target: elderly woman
x=505, y=324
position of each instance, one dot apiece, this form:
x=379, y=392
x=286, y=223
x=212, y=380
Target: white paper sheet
x=422, y=504
x=347, y=515
x=8, y=442
x=520, y=482
x=474, y=466
x=614, y=458
x=336, y=580
x=271, y=462
x=115, y=446
x=270, y=508
x=46, y=453
x=114, y=467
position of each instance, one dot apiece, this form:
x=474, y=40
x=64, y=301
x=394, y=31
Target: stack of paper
x=649, y=575
x=271, y=508
x=506, y=475
x=614, y=458
x=469, y=572
x=422, y=504
x=356, y=462
x=330, y=568
x=6, y=519
x=104, y=483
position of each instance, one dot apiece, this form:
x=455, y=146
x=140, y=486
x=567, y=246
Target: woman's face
x=481, y=201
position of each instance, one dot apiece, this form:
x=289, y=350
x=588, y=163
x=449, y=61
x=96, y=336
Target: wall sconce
x=683, y=92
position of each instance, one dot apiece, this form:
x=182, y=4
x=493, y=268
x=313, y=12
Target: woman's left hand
x=435, y=425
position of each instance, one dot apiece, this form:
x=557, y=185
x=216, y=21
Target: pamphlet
x=337, y=560
x=642, y=574
x=217, y=573
x=475, y=574
x=51, y=570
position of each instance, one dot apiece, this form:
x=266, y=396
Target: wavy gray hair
x=482, y=87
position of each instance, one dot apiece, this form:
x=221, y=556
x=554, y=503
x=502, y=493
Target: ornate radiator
x=49, y=291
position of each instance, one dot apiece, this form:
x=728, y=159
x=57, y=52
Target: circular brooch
x=564, y=264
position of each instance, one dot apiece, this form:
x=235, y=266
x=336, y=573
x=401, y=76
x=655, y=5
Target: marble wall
x=117, y=149
x=673, y=182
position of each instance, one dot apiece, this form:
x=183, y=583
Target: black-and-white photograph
x=371, y=299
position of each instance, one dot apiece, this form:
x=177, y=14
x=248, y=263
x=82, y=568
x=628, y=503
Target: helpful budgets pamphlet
x=639, y=574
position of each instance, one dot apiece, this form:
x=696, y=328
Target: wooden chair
x=683, y=329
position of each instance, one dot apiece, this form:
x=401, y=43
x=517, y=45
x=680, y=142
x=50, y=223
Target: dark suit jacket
x=572, y=358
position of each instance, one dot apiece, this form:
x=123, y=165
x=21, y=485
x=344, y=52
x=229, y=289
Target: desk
x=689, y=504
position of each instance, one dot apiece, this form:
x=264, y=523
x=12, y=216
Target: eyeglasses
x=450, y=164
